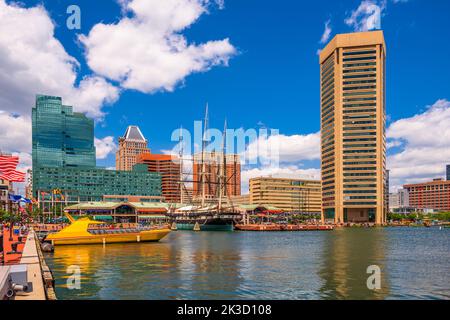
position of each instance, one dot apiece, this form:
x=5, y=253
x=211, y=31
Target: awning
x=152, y=217
x=109, y=218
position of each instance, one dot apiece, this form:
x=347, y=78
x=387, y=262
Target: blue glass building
x=64, y=159
x=61, y=137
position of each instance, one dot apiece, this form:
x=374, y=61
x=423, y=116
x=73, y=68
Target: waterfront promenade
x=29, y=253
x=30, y=257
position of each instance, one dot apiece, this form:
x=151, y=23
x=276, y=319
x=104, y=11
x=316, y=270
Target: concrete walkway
x=30, y=257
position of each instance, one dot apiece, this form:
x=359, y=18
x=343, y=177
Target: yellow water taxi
x=87, y=231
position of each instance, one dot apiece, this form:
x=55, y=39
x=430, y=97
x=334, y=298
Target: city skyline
x=234, y=78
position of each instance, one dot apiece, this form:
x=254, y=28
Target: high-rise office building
x=399, y=200
x=64, y=167
x=131, y=145
x=294, y=195
x=93, y=184
x=169, y=169
x=61, y=137
x=448, y=172
x=353, y=120
x=29, y=184
x=394, y=200
x=212, y=162
x=429, y=195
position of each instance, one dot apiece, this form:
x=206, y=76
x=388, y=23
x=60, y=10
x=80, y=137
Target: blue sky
x=270, y=76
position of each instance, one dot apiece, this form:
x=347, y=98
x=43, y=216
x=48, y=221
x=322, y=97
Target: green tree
x=394, y=216
x=36, y=213
x=11, y=218
x=4, y=215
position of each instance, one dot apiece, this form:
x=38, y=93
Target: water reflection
x=346, y=256
x=217, y=260
x=152, y=270
x=272, y=265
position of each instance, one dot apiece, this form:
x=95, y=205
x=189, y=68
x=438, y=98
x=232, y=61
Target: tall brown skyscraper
x=169, y=168
x=131, y=145
x=212, y=162
x=353, y=116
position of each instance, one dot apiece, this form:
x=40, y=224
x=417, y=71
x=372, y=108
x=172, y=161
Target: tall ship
x=200, y=218
x=210, y=207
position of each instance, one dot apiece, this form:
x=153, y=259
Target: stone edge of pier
x=38, y=271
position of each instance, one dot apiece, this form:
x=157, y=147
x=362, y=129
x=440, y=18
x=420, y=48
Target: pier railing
x=47, y=276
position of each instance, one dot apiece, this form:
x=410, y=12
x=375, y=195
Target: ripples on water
x=415, y=264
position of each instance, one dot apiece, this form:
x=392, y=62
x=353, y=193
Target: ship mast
x=222, y=176
x=204, y=141
x=181, y=154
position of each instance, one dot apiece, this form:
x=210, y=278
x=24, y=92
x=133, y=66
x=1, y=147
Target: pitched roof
x=134, y=133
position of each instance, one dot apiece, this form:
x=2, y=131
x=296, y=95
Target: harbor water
x=414, y=264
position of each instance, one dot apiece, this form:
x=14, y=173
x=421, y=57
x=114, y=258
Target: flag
x=13, y=176
x=8, y=165
x=25, y=200
x=14, y=197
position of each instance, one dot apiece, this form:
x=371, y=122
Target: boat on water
x=87, y=231
x=205, y=219
x=282, y=227
x=211, y=208
x=207, y=224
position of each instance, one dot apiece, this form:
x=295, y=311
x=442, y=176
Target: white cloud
x=147, y=51
x=33, y=61
x=25, y=161
x=326, y=33
x=282, y=148
x=15, y=133
x=283, y=155
x=428, y=129
x=15, y=138
x=425, y=138
x=367, y=16
x=393, y=144
x=104, y=147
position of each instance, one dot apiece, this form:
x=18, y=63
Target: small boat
x=87, y=231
